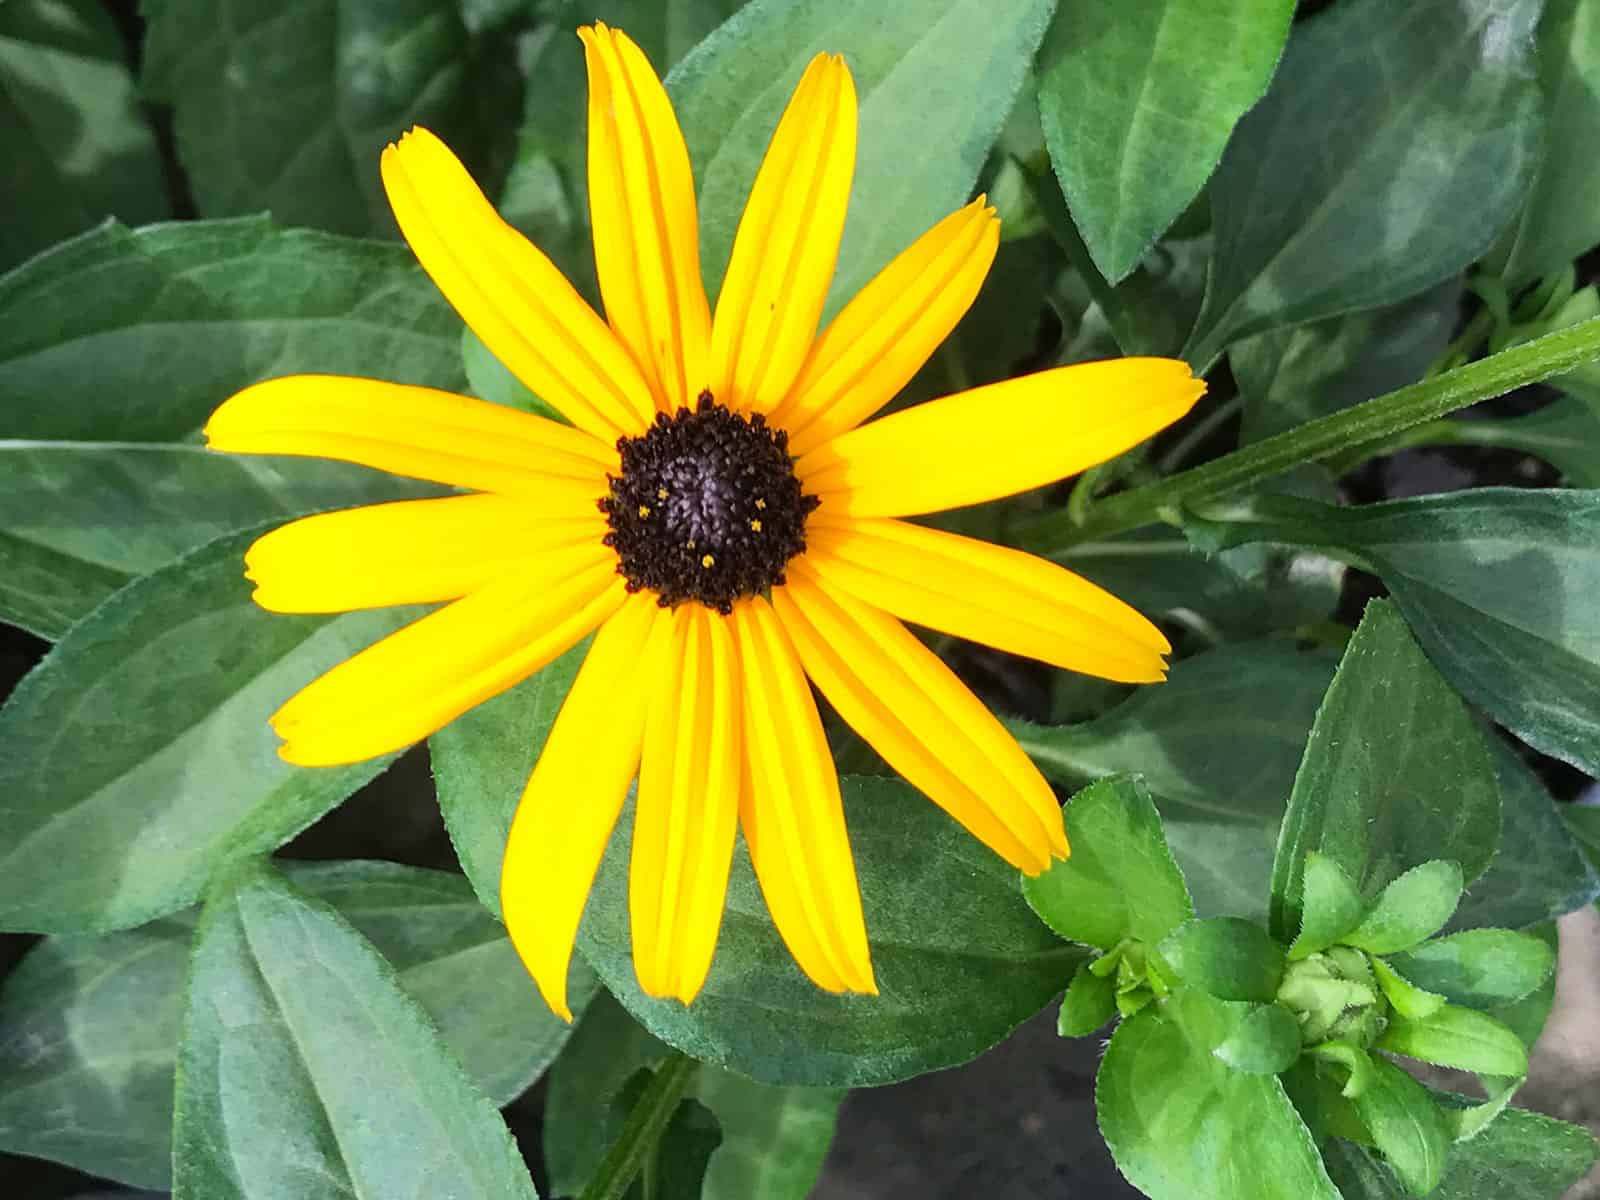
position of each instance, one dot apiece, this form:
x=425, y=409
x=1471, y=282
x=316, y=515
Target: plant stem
x=637, y=1141
x=1341, y=433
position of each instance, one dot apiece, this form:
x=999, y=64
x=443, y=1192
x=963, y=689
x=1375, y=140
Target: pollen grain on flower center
x=707, y=507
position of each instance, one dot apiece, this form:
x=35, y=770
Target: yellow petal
x=407, y=552
x=688, y=807
x=924, y=721
x=986, y=593
x=642, y=209
x=511, y=295
x=883, y=336
x=571, y=802
x=792, y=814
x=998, y=440
x=411, y=683
x=787, y=244
x=414, y=431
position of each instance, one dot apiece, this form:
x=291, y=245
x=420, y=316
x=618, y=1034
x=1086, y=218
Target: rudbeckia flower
x=717, y=515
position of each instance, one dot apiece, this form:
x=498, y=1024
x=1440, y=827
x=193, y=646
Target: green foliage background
x=1325, y=850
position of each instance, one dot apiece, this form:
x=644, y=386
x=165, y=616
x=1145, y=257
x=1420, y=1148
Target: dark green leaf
x=1395, y=774
x=88, y=1037
x=1218, y=745
x=1225, y=597
x=953, y=978
x=1410, y=908
x=136, y=335
x=136, y=759
x=481, y=763
x=935, y=84
x=1330, y=906
x=1539, y=872
x=1290, y=376
x=1138, y=106
x=1561, y=217
x=1265, y=1041
x=1520, y=1156
x=1497, y=584
x=1391, y=149
x=1181, y=1123
x=1406, y=1125
x=289, y=109
x=306, y=1068
x=1565, y=433
x=75, y=146
x=1458, y=1037
x=1121, y=881
x=1481, y=968
x=683, y=1153
x=1090, y=1002
x=773, y=1139
x=1230, y=958
x=89, y=1025
x=80, y=519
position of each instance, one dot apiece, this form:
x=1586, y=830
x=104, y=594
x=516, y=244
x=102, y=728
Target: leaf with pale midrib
x=136, y=759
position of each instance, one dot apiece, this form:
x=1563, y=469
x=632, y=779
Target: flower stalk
x=646, y=1122
x=1339, y=435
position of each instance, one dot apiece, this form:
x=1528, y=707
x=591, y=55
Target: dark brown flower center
x=707, y=507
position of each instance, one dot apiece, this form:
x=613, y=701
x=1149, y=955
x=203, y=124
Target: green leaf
x=88, y=1037
x=1225, y=597
x=1565, y=433
x=773, y=1139
x=1527, y=1017
x=953, y=978
x=1137, y=107
x=1520, y=1156
x=1090, y=1002
x=1330, y=197
x=80, y=519
x=489, y=379
x=1265, y=1041
x=1290, y=376
x=320, y=90
x=137, y=335
x=1413, y=907
x=935, y=85
x=1230, y=958
x=76, y=147
x=1330, y=906
x=1217, y=744
x=1406, y=1125
x=1497, y=584
x=112, y=821
x=1458, y=1037
x=481, y=763
x=1181, y=1123
x=1561, y=217
x=1410, y=1001
x=1481, y=968
x=305, y=1067
x=89, y=1025
x=1539, y=872
x=1121, y=881
x=1371, y=792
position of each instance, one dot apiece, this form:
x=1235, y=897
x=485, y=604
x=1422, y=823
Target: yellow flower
x=717, y=515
